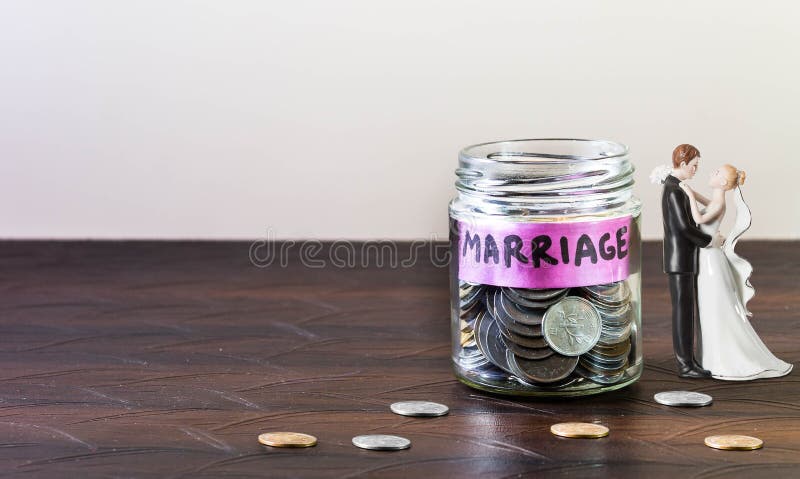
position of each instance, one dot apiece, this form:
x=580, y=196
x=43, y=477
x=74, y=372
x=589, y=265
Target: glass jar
x=545, y=268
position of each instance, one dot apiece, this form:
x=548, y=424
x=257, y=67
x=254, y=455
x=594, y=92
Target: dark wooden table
x=148, y=359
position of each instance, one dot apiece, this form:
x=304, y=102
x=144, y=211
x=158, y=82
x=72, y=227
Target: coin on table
x=734, y=442
x=419, y=408
x=287, y=439
x=683, y=398
x=579, y=430
x=572, y=326
x=381, y=442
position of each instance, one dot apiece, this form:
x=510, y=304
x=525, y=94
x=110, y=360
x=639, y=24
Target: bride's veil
x=740, y=267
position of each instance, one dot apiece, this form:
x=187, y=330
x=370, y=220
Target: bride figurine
x=731, y=349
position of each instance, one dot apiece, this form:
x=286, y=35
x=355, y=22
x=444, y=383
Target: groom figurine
x=682, y=238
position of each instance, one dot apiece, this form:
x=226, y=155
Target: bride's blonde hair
x=733, y=177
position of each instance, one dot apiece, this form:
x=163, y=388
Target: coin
x=618, y=349
x=604, y=363
x=579, y=430
x=538, y=294
x=612, y=335
x=515, y=297
x=510, y=310
x=734, y=442
x=549, y=370
x=491, y=343
x=528, y=353
x=572, y=326
x=287, y=439
x=610, y=295
x=526, y=341
x=502, y=331
x=381, y=442
x=604, y=378
x=683, y=398
x=519, y=328
x=419, y=408
x=603, y=369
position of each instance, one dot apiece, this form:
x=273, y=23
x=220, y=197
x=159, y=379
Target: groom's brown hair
x=684, y=153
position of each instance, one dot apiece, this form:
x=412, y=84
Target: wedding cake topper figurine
x=709, y=283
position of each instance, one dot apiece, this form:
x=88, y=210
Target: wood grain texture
x=151, y=359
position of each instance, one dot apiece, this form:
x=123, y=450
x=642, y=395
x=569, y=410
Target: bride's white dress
x=731, y=349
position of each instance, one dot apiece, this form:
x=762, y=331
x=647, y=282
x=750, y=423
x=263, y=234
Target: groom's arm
x=682, y=221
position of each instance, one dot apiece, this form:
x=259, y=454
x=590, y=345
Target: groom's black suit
x=682, y=238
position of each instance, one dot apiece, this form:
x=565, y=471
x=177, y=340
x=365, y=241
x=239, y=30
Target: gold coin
x=579, y=429
x=734, y=442
x=466, y=337
x=287, y=439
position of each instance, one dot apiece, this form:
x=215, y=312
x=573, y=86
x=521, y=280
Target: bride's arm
x=701, y=199
x=699, y=218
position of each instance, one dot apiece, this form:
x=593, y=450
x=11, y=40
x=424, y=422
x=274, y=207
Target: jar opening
x=546, y=175
x=532, y=150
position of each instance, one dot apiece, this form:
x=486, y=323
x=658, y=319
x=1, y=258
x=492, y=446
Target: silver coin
x=504, y=306
x=683, y=398
x=381, y=442
x=613, y=291
x=610, y=295
x=613, y=335
x=472, y=360
x=469, y=314
x=487, y=371
x=527, y=353
x=605, y=362
x=549, y=370
x=538, y=294
x=604, y=378
x=419, y=408
x=471, y=297
x=501, y=315
x=530, y=303
x=615, y=317
x=487, y=336
x=572, y=326
x=525, y=341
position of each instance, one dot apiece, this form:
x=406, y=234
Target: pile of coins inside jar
x=547, y=337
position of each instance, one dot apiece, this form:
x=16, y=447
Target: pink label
x=544, y=255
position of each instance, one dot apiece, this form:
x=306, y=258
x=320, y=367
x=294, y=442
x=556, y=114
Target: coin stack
x=606, y=362
x=546, y=337
x=471, y=307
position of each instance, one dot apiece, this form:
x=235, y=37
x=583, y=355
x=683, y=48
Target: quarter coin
x=734, y=442
x=287, y=439
x=381, y=442
x=579, y=430
x=683, y=398
x=419, y=408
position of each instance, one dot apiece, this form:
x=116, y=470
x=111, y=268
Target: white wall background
x=342, y=119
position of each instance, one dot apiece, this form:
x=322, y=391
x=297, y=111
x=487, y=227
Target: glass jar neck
x=545, y=176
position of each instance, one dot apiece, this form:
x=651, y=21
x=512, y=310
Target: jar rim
x=545, y=175
x=616, y=150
